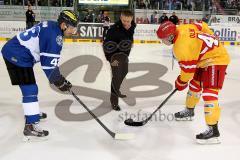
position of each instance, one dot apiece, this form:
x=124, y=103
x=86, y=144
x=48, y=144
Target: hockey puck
x=128, y=121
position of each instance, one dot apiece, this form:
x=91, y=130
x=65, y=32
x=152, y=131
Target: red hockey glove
x=180, y=85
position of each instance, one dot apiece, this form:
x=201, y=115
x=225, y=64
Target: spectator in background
x=69, y=3
x=159, y=4
x=154, y=19
x=88, y=17
x=152, y=4
x=163, y=18
x=147, y=3
x=42, y=2
x=170, y=4
x=39, y=2
x=99, y=17
x=213, y=20
x=142, y=5
x=16, y=2
x=173, y=18
x=206, y=19
x=192, y=5
x=30, y=17
x=6, y=2
x=106, y=23
x=29, y=2
x=178, y=5
x=56, y=3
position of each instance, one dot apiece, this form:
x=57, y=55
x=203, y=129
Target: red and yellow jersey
x=195, y=46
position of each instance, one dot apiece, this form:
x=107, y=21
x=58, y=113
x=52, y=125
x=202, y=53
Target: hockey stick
x=118, y=136
x=130, y=121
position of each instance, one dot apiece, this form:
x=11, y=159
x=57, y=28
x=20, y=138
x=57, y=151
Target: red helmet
x=166, y=29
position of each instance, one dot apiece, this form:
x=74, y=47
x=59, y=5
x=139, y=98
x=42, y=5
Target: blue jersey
x=41, y=43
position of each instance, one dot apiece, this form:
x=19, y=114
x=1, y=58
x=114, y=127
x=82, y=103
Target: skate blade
x=124, y=136
x=43, y=120
x=184, y=119
x=214, y=140
x=34, y=139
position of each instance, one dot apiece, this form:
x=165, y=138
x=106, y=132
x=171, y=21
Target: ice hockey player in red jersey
x=203, y=62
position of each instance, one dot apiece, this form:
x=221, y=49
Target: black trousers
x=118, y=74
x=29, y=25
x=20, y=75
x=105, y=29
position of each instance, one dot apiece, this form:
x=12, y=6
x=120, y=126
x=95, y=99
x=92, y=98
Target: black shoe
x=116, y=107
x=210, y=136
x=185, y=114
x=34, y=132
x=43, y=115
x=122, y=95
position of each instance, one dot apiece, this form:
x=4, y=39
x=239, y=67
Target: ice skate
x=43, y=116
x=33, y=132
x=210, y=136
x=185, y=115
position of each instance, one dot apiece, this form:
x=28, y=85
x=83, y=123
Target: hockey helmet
x=69, y=17
x=166, y=29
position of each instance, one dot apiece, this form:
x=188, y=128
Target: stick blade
x=124, y=136
x=130, y=122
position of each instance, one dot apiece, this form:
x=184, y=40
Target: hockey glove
x=63, y=85
x=180, y=85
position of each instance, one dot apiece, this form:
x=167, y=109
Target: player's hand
x=180, y=85
x=115, y=63
x=66, y=86
x=63, y=85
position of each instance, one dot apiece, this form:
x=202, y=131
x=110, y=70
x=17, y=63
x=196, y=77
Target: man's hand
x=115, y=63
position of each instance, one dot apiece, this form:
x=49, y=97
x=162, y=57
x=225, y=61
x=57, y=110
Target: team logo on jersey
x=14, y=59
x=59, y=40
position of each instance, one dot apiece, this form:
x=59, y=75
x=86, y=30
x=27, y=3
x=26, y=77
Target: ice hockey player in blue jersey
x=41, y=43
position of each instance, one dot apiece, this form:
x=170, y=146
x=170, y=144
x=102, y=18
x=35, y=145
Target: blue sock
x=30, y=103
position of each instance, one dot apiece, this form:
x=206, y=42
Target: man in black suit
x=117, y=46
x=163, y=18
x=30, y=17
x=174, y=19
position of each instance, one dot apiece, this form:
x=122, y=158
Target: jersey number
x=54, y=62
x=28, y=34
x=209, y=40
